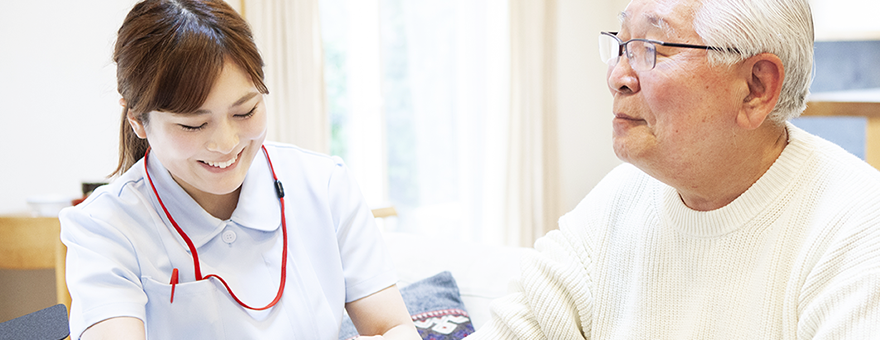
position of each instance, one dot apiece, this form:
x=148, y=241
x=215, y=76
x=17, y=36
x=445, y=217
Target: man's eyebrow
x=238, y=102
x=660, y=23
x=653, y=19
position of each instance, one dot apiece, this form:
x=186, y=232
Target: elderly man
x=727, y=222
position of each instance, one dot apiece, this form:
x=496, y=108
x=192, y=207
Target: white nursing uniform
x=122, y=250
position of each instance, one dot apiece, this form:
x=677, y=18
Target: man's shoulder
x=625, y=179
x=833, y=169
x=623, y=188
x=839, y=191
x=828, y=157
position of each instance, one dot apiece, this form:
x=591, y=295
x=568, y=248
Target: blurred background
x=481, y=119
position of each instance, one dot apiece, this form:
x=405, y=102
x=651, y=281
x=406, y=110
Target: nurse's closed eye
x=193, y=128
x=249, y=114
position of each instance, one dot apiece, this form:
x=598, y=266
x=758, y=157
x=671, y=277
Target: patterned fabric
x=436, y=309
x=445, y=324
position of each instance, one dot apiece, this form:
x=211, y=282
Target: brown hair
x=169, y=54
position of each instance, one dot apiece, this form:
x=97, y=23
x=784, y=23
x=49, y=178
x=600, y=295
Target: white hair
x=780, y=27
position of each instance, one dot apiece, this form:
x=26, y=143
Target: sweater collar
x=258, y=207
x=758, y=198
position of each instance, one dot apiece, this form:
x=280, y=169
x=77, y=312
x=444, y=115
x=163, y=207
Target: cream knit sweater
x=797, y=256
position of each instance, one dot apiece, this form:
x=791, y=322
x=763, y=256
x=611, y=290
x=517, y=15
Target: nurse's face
x=209, y=152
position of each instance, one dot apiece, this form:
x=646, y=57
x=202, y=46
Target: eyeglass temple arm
x=663, y=43
x=719, y=49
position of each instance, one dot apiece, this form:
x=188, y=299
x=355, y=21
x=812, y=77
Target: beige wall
x=583, y=102
x=59, y=102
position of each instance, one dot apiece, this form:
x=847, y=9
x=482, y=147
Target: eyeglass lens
x=640, y=54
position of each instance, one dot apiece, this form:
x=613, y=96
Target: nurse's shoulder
x=123, y=203
x=287, y=157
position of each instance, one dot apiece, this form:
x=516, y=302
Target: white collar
x=258, y=206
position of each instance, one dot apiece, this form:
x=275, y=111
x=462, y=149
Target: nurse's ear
x=135, y=123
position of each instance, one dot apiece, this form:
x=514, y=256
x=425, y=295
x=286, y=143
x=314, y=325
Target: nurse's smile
x=222, y=165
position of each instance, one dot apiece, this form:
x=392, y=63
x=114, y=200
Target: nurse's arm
x=382, y=313
x=116, y=328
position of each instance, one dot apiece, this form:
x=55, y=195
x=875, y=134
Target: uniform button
x=228, y=236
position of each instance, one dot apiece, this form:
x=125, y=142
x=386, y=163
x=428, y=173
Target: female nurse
x=210, y=232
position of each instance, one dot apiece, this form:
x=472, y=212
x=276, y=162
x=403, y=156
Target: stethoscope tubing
x=279, y=190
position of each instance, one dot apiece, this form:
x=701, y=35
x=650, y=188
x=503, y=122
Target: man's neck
x=720, y=184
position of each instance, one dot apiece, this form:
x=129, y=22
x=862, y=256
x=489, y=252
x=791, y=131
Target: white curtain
x=446, y=68
x=288, y=34
x=518, y=199
x=532, y=204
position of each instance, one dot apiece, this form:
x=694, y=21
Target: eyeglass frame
x=622, y=46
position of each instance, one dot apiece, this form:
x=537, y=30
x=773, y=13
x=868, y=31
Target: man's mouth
x=624, y=116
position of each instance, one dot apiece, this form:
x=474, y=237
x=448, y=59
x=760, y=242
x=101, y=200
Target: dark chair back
x=45, y=324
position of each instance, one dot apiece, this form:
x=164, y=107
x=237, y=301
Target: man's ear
x=765, y=77
x=136, y=125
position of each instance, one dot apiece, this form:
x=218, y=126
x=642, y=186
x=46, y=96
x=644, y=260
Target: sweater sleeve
x=551, y=299
x=849, y=310
x=841, y=297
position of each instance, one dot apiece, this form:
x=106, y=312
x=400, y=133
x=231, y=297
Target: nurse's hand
x=375, y=337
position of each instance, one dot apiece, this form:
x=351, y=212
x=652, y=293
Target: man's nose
x=622, y=78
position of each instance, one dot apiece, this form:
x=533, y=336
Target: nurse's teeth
x=222, y=165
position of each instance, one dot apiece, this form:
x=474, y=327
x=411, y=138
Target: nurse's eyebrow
x=244, y=98
x=238, y=102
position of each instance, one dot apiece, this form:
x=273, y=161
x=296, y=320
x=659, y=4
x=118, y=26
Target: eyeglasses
x=641, y=53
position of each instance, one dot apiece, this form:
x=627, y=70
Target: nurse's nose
x=225, y=138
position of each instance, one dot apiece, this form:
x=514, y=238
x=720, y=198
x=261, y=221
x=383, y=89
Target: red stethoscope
x=279, y=190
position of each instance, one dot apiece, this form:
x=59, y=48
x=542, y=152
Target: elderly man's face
x=670, y=118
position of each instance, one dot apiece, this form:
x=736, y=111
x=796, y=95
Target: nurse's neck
x=219, y=206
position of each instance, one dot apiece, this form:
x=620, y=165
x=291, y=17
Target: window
x=415, y=89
